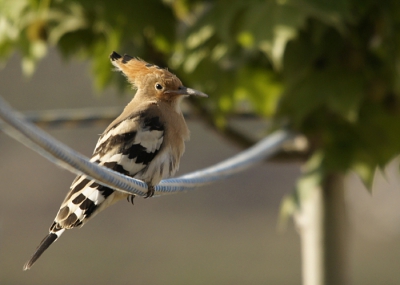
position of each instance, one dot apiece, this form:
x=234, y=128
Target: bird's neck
x=176, y=104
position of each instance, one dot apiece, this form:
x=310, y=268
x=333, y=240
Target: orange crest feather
x=136, y=70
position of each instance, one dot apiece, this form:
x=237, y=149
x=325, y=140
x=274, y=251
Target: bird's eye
x=159, y=86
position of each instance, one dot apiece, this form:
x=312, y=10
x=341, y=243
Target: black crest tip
x=126, y=58
x=114, y=56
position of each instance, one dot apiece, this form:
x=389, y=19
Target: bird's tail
x=46, y=242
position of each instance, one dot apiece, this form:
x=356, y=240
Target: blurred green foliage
x=327, y=69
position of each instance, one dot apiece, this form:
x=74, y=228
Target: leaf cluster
x=88, y=29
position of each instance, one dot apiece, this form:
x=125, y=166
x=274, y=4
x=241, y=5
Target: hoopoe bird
x=145, y=142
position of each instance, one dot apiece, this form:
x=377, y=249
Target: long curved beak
x=188, y=91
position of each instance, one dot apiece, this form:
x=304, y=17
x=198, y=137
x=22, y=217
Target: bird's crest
x=136, y=69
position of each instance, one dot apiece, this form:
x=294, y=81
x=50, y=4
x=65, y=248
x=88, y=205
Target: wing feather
x=127, y=147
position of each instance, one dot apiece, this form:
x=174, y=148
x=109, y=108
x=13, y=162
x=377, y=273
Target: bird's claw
x=150, y=191
x=130, y=198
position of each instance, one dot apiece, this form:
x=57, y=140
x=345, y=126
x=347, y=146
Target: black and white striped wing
x=128, y=147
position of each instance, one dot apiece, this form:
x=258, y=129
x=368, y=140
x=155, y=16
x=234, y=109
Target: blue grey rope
x=64, y=156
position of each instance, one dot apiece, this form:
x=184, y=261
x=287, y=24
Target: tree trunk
x=323, y=231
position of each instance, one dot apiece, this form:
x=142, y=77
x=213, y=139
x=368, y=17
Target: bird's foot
x=150, y=191
x=130, y=199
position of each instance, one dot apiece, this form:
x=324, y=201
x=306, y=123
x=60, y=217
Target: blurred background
x=329, y=71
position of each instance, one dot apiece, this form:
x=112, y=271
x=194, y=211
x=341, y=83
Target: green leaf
x=270, y=25
x=306, y=184
x=289, y=206
x=261, y=87
x=366, y=172
x=319, y=78
x=333, y=13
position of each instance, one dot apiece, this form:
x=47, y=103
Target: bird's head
x=152, y=80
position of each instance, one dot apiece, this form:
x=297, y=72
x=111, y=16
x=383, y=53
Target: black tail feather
x=46, y=242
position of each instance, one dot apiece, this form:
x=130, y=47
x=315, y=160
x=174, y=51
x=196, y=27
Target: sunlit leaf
x=366, y=172
x=310, y=181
